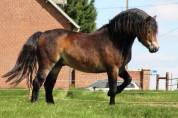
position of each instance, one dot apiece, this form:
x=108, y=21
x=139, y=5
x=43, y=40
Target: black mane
x=129, y=21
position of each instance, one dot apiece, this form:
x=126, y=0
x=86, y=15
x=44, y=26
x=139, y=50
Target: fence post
x=73, y=78
x=157, y=81
x=145, y=79
x=141, y=80
x=167, y=80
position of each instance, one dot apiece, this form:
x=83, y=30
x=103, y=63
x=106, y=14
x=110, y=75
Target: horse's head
x=147, y=35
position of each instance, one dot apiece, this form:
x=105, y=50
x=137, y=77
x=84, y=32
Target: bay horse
x=106, y=50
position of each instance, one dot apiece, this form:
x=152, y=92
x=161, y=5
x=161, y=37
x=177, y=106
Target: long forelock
x=154, y=25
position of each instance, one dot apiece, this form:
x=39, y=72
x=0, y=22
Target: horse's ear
x=155, y=16
x=148, y=18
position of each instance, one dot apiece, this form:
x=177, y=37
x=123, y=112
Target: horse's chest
x=111, y=56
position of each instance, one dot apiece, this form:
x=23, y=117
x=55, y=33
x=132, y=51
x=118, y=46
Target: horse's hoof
x=50, y=102
x=112, y=103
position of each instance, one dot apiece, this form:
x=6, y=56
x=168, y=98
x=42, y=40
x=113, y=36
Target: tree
x=83, y=12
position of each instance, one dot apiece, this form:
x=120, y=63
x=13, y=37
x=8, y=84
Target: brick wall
x=20, y=19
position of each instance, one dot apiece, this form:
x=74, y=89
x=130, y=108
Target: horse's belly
x=86, y=67
x=89, y=69
x=90, y=64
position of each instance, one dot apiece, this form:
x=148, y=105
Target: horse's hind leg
x=127, y=79
x=50, y=82
x=38, y=81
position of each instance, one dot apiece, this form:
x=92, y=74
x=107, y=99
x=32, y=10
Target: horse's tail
x=26, y=63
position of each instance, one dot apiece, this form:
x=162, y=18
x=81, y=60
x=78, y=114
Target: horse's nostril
x=153, y=50
x=157, y=48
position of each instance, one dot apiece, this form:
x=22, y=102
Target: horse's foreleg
x=50, y=82
x=127, y=79
x=37, y=83
x=112, y=79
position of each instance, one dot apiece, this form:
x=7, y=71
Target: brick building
x=21, y=18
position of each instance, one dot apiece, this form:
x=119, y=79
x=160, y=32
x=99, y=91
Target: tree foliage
x=83, y=12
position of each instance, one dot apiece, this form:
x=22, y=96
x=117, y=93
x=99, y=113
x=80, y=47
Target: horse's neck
x=123, y=41
x=124, y=44
x=126, y=40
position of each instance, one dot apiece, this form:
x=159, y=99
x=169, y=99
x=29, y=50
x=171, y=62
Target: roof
x=60, y=1
x=100, y=84
x=64, y=14
x=103, y=83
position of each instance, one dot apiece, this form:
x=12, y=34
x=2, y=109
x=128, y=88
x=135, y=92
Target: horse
x=108, y=49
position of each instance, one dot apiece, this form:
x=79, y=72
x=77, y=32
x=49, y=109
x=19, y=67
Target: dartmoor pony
x=106, y=50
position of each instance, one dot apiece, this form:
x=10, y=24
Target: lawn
x=78, y=103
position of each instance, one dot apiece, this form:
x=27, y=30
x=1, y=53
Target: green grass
x=84, y=104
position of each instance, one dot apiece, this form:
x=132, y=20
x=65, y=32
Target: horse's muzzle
x=153, y=47
x=153, y=50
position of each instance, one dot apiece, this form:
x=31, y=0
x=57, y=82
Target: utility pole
x=126, y=4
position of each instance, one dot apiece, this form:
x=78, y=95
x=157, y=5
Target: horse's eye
x=149, y=32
